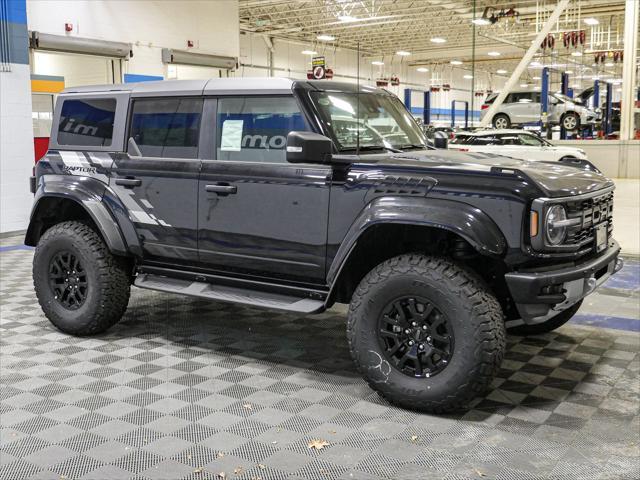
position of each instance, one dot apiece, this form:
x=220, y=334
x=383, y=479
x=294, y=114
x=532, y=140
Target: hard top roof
x=221, y=86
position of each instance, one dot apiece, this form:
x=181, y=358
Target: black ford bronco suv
x=295, y=195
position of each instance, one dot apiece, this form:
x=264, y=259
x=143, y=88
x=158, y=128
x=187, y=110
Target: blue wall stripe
x=135, y=77
x=446, y=112
x=51, y=78
x=18, y=50
x=14, y=11
x=11, y=248
x=605, y=321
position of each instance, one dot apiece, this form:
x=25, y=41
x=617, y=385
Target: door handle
x=222, y=189
x=129, y=182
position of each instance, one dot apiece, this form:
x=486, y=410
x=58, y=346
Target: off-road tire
x=473, y=312
x=107, y=279
x=570, y=115
x=501, y=116
x=548, y=326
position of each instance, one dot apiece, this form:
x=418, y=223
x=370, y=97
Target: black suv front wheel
x=82, y=288
x=426, y=333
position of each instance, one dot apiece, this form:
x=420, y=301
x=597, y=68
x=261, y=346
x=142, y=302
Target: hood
x=554, y=179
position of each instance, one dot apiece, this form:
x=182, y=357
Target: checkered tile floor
x=186, y=389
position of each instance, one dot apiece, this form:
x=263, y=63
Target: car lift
x=466, y=113
x=426, y=106
x=544, y=101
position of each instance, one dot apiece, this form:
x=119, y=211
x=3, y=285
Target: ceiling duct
x=85, y=46
x=181, y=57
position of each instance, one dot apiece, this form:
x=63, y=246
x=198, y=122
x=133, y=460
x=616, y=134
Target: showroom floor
x=184, y=388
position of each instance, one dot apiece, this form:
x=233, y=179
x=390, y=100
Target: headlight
x=555, y=231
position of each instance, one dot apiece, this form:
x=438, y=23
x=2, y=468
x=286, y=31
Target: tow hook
x=619, y=265
x=591, y=285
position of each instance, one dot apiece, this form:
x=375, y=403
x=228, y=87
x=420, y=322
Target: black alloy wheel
x=415, y=337
x=68, y=280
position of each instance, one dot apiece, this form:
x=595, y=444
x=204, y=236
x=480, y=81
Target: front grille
x=591, y=212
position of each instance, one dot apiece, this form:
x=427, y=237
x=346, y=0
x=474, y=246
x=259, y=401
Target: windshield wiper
x=377, y=147
x=404, y=147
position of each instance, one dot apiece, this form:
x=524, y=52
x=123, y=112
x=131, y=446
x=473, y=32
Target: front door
x=157, y=180
x=259, y=215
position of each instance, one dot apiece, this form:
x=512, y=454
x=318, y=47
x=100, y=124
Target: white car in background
x=514, y=143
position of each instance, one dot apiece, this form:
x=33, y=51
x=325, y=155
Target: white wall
x=149, y=25
x=614, y=158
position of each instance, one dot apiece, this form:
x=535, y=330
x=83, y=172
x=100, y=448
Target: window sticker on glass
x=231, y=140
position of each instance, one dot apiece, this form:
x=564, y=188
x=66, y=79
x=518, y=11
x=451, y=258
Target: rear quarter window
x=87, y=122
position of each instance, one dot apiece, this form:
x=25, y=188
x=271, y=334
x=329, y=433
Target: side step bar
x=222, y=293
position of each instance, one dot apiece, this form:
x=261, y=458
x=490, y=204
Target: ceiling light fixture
x=494, y=54
x=403, y=53
x=524, y=85
x=347, y=18
x=422, y=69
x=537, y=78
x=501, y=71
x=568, y=72
x=438, y=40
x=309, y=52
x=326, y=38
x=377, y=62
x=608, y=64
x=591, y=21
x=576, y=54
x=455, y=62
x=468, y=77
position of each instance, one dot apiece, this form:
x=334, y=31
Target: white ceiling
x=384, y=27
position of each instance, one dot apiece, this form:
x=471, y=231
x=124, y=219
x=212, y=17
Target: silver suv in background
x=524, y=107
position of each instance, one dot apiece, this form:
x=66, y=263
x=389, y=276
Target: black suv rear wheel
x=425, y=333
x=82, y=288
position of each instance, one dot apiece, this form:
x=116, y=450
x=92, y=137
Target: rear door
x=258, y=214
x=157, y=179
x=521, y=107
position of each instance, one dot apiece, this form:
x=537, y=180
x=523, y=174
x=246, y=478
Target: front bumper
x=541, y=295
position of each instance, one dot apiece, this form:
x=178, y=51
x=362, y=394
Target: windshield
x=381, y=121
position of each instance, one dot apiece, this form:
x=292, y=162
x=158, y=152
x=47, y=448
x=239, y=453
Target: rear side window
x=87, y=122
x=255, y=129
x=167, y=127
x=491, y=98
x=486, y=140
x=462, y=140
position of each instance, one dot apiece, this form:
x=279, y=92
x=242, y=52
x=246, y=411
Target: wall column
x=16, y=125
x=629, y=69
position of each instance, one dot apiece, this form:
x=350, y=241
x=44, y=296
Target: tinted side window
x=255, y=129
x=485, y=140
x=509, y=140
x=87, y=122
x=462, y=140
x=167, y=127
x=530, y=140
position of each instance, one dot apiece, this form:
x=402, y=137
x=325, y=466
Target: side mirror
x=308, y=147
x=440, y=140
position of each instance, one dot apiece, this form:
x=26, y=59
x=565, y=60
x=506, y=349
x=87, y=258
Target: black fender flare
x=88, y=193
x=469, y=222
